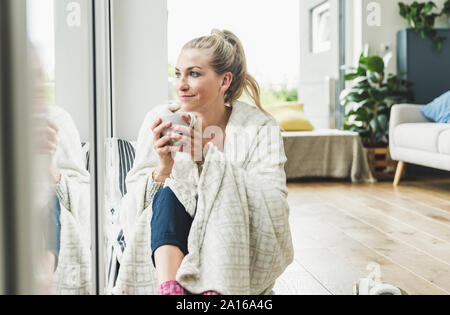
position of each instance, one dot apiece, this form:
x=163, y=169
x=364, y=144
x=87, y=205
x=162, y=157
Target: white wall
x=386, y=33
x=140, y=63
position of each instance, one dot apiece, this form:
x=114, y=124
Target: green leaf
x=376, y=94
x=350, y=76
x=374, y=125
x=362, y=114
x=375, y=64
x=365, y=103
x=422, y=34
x=383, y=123
x=343, y=96
x=384, y=90
x=404, y=9
x=413, y=11
x=429, y=7
x=357, y=97
x=359, y=80
x=438, y=43
x=375, y=77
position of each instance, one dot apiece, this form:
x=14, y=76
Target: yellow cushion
x=290, y=117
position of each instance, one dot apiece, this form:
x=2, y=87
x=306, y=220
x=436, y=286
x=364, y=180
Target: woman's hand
x=166, y=153
x=47, y=143
x=192, y=138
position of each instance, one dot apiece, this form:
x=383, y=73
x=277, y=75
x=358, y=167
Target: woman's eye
x=194, y=74
x=177, y=74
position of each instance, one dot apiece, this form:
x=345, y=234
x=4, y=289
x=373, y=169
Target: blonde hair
x=228, y=56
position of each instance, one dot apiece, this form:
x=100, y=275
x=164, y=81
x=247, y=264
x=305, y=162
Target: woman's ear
x=226, y=81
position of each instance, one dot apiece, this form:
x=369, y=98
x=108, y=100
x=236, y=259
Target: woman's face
x=198, y=85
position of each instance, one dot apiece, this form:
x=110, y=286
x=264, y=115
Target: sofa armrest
x=404, y=114
x=407, y=113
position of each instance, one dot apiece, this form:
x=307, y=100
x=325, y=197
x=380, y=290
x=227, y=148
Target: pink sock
x=171, y=287
x=211, y=293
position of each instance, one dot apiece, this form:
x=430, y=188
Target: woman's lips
x=187, y=96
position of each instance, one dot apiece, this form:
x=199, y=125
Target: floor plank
x=339, y=229
x=296, y=280
x=310, y=231
x=440, y=212
x=382, y=216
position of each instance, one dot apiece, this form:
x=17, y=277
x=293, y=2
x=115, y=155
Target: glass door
x=321, y=55
x=48, y=104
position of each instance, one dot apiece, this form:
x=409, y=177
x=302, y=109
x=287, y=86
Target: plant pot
x=380, y=163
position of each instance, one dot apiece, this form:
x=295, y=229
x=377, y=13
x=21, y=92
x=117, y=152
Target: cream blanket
x=73, y=273
x=240, y=240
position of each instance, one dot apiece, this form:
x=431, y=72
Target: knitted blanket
x=73, y=273
x=240, y=240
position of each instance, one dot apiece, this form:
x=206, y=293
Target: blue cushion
x=439, y=109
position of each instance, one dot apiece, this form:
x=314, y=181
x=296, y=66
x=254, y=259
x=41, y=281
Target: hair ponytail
x=228, y=56
x=253, y=90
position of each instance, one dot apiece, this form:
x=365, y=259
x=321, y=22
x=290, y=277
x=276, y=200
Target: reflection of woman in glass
x=66, y=223
x=207, y=224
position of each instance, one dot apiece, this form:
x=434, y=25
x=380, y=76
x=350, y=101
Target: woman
x=62, y=196
x=211, y=222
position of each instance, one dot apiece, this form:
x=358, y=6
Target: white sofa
x=415, y=139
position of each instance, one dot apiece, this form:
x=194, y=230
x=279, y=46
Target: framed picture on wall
x=320, y=28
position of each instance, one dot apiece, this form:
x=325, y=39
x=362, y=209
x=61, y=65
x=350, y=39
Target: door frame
x=340, y=110
x=17, y=252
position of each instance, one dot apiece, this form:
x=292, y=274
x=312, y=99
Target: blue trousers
x=170, y=224
x=52, y=227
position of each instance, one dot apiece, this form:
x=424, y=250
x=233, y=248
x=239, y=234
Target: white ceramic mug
x=176, y=119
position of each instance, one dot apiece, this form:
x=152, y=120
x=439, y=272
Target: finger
x=156, y=123
x=47, y=150
x=167, y=149
x=157, y=131
x=162, y=142
x=185, y=130
x=51, y=134
x=52, y=146
x=162, y=127
x=186, y=118
x=53, y=126
x=182, y=138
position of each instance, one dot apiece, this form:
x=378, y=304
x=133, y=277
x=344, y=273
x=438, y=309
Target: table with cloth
x=327, y=153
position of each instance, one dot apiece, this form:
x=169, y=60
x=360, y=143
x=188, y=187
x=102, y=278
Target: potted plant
x=421, y=19
x=446, y=10
x=368, y=104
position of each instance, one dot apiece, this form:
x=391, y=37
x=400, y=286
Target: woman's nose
x=182, y=84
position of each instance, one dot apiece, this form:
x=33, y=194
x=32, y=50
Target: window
x=320, y=28
x=267, y=28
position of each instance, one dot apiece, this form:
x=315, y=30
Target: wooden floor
x=343, y=232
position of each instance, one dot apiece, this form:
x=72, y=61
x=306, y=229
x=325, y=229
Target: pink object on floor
x=211, y=293
x=171, y=288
